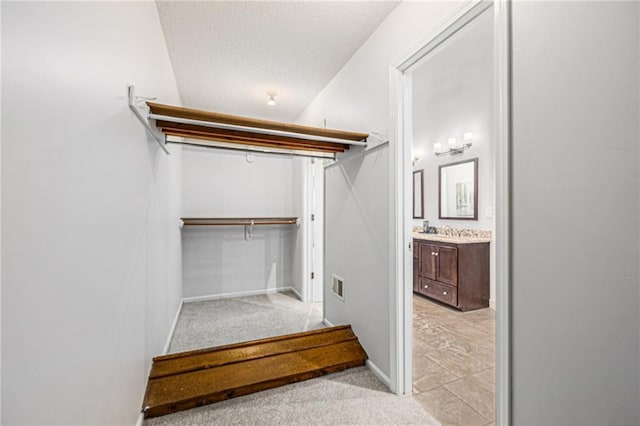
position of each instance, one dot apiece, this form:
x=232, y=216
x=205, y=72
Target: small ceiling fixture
x=272, y=100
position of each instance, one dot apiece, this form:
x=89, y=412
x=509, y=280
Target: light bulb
x=272, y=100
x=437, y=146
x=451, y=141
x=468, y=136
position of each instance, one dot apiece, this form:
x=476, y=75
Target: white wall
x=452, y=93
x=358, y=99
x=218, y=260
x=224, y=184
x=90, y=261
x=364, y=281
x=575, y=213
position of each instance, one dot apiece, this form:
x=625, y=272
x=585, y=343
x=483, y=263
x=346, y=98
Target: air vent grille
x=338, y=287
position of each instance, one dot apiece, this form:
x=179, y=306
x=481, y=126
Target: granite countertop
x=450, y=239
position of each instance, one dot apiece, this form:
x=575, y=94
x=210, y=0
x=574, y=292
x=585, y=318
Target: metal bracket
x=161, y=140
x=248, y=231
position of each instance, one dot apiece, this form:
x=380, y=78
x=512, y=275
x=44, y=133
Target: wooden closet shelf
x=245, y=221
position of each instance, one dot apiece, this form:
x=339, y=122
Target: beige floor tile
x=454, y=363
x=421, y=347
x=459, y=362
x=488, y=376
x=449, y=409
x=428, y=374
x=474, y=392
x=467, y=330
x=480, y=314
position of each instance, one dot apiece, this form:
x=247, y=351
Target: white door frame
x=401, y=219
x=313, y=204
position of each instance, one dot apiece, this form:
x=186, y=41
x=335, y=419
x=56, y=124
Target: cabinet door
x=427, y=267
x=447, y=265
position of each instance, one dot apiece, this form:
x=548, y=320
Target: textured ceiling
x=227, y=55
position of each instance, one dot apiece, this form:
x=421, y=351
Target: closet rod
x=243, y=221
x=131, y=93
x=245, y=148
x=255, y=130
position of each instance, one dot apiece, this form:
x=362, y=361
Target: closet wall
x=90, y=247
x=217, y=260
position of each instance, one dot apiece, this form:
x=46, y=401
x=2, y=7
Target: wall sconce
x=416, y=154
x=453, y=146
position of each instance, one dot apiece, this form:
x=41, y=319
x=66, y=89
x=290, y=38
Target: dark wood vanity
x=456, y=274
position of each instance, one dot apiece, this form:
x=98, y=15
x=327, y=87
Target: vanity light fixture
x=272, y=100
x=453, y=146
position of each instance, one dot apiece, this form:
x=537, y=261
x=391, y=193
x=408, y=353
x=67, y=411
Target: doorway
x=495, y=169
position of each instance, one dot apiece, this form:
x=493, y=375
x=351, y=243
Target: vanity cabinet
x=454, y=274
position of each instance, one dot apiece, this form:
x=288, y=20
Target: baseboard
x=296, y=292
x=165, y=350
x=140, y=420
x=370, y=365
x=492, y=304
x=378, y=373
x=238, y=294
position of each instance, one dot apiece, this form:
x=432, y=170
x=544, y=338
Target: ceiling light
x=272, y=100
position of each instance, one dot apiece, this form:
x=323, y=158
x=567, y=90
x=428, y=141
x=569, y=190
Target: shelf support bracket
x=248, y=231
x=131, y=94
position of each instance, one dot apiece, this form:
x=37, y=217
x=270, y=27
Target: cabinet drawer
x=442, y=292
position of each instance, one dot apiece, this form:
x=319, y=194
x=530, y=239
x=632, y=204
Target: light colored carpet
x=352, y=397
x=224, y=321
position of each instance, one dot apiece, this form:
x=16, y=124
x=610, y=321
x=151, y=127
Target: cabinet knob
x=435, y=254
x=444, y=292
x=426, y=286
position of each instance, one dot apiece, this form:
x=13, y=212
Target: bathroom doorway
x=449, y=92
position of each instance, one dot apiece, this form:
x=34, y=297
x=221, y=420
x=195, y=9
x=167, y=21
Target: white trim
x=399, y=363
x=239, y=294
x=327, y=322
x=378, y=373
x=172, y=330
x=140, y=420
x=502, y=66
x=296, y=292
x=306, y=231
x=492, y=304
x=440, y=33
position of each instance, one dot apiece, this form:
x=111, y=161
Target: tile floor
x=453, y=357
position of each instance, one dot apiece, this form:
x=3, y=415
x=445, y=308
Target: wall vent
x=338, y=287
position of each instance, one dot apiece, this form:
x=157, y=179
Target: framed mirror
x=458, y=190
x=418, y=194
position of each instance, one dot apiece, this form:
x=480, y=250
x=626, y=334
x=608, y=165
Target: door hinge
x=313, y=217
x=313, y=275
